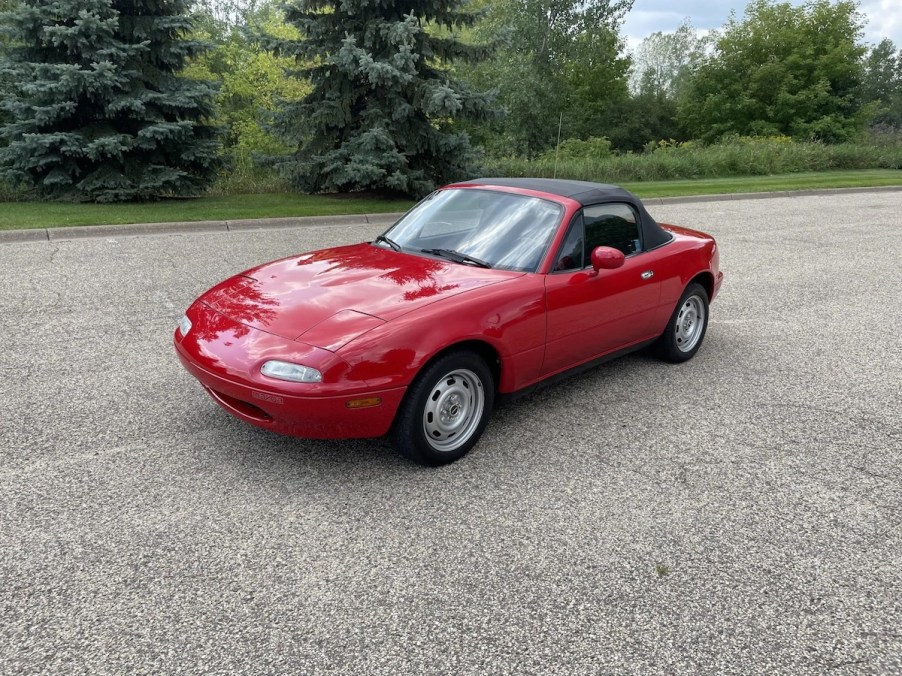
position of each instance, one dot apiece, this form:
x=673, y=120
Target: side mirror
x=606, y=258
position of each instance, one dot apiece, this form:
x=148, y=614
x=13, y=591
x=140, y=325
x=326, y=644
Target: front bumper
x=326, y=417
x=221, y=363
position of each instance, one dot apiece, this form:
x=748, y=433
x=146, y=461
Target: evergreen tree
x=96, y=110
x=382, y=109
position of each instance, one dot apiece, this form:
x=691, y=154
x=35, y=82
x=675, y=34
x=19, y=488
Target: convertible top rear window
x=507, y=231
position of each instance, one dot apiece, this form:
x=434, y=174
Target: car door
x=589, y=313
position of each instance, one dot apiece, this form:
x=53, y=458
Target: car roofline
x=574, y=195
x=583, y=192
x=512, y=190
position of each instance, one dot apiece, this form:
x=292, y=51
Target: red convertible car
x=483, y=289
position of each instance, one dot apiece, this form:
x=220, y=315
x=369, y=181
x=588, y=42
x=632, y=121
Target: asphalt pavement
x=740, y=513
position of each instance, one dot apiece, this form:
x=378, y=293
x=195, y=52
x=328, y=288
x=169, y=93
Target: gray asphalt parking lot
x=741, y=513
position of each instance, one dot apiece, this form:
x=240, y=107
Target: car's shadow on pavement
x=573, y=397
x=240, y=444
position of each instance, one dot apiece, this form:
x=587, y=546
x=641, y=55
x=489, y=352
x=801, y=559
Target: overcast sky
x=647, y=16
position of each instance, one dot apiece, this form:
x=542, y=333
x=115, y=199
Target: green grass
x=867, y=178
x=20, y=215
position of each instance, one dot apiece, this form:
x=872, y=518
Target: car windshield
x=503, y=230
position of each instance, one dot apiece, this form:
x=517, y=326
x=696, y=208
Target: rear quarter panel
x=688, y=255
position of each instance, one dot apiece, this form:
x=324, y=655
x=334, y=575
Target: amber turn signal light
x=363, y=403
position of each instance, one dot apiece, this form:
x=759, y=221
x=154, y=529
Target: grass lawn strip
x=26, y=215
x=865, y=178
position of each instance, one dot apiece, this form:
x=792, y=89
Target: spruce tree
x=96, y=109
x=382, y=109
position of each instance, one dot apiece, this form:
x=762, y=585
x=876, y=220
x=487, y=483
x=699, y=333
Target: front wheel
x=686, y=329
x=445, y=410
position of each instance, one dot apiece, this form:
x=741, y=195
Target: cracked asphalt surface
x=741, y=513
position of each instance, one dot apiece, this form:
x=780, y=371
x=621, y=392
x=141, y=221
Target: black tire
x=445, y=410
x=687, y=326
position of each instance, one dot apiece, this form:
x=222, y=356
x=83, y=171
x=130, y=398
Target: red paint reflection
x=240, y=301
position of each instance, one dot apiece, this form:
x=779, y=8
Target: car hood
x=327, y=298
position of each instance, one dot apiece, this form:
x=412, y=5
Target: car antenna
x=559, y=125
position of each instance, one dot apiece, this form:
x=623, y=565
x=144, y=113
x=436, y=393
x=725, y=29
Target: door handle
x=648, y=274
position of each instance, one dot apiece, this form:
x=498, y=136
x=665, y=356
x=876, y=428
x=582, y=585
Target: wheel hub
x=451, y=408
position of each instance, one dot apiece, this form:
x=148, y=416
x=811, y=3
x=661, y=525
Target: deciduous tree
x=562, y=56
x=882, y=84
x=782, y=69
x=663, y=61
x=251, y=80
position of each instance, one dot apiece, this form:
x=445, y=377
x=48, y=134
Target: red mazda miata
x=483, y=289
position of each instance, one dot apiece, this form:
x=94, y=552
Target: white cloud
x=649, y=16
x=884, y=21
x=884, y=18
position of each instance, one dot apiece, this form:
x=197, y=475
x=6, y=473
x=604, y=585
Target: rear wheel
x=445, y=410
x=686, y=329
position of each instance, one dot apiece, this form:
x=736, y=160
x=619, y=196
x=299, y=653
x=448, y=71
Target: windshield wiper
x=393, y=244
x=457, y=257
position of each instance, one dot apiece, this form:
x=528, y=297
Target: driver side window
x=613, y=225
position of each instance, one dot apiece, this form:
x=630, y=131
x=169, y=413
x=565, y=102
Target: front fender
x=510, y=318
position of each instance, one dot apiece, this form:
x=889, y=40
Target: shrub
x=739, y=156
x=594, y=147
x=245, y=175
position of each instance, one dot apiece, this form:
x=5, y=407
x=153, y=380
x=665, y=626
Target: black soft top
x=587, y=194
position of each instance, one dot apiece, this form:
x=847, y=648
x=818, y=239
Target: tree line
x=111, y=100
